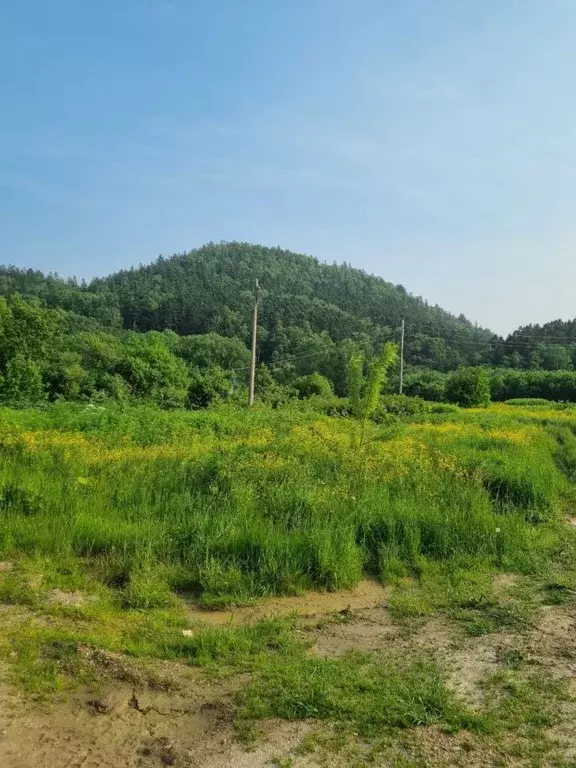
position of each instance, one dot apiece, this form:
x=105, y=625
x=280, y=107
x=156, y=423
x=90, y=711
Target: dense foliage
x=176, y=333
x=468, y=387
x=504, y=384
x=307, y=307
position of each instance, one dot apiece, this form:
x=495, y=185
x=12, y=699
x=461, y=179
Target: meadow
x=225, y=506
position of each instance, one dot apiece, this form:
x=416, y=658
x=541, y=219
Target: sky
x=430, y=143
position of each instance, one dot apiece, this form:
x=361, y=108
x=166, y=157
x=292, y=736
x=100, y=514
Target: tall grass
x=227, y=504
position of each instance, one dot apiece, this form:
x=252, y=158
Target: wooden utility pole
x=401, y=358
x=254, y=335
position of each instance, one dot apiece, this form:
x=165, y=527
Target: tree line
x=176, y=332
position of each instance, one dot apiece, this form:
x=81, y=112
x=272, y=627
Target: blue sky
x=432, y=143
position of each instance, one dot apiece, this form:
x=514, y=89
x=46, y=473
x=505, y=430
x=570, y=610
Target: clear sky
x=430, y=142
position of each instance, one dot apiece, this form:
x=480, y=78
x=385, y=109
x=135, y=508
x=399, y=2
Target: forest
x=176, y=333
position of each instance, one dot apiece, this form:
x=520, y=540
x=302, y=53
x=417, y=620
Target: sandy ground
x=179, y=718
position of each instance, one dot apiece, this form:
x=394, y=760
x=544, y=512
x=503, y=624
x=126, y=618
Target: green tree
x=26, y=329
x=211, y=350
x=208, y=387
x=365, y=391
x=209, y=289
x=66, y=377
x=429, y=385
x=469, y=387
x=22, y=381
x=551, y=357
x=153, y=372
x=269, y=391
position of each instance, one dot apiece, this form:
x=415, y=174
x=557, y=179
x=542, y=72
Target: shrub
x=430, y=385
x=364, y=391
x=314, y=384
x=469, y=387
x=402, y=405
x=269, y=390
x=22, y=383
x=208, y=387
x=528, y=402
x=548, y=385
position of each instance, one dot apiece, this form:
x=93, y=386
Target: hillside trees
x=305, y=305
x=154, y=331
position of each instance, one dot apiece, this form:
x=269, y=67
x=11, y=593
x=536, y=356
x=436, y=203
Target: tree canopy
x=177, y=332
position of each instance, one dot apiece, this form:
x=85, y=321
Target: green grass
x=356, y=690
x=227, y=506
x=466, y=595
x=50, y=657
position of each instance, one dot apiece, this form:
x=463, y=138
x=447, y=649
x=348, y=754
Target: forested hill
x=306, y=305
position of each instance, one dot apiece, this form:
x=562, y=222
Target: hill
x=177, y=331
x=307, y=306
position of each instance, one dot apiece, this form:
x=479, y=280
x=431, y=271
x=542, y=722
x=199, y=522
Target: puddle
x=367, y=594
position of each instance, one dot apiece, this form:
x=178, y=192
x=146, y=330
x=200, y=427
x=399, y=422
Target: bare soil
x=173, y=715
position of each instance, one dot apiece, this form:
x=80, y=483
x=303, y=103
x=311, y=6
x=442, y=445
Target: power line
x=322, y=353
x=316, y=353
x=500, y=342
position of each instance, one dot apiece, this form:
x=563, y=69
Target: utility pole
x=254, y=335
x=401, y=357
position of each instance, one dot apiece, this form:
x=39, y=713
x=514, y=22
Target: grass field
x=229, y=505
x=115, y=521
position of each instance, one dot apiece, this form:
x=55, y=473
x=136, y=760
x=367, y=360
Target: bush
x=547, y=385
x=314, y=384
x=269, y=390
x=469, y=387
x=22, y=384
x=208, y=388
x=330, y=405
x=528, y=402
x=402, y=405
x=443, y=408
x=210, y=350
x=429, y=385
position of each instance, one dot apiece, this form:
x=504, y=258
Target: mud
x=367, y=594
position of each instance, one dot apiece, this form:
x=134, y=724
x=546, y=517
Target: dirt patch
x=136, y=728
x=69, y=598
x=504, y=581
x=369, y=593
x=367, y=630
